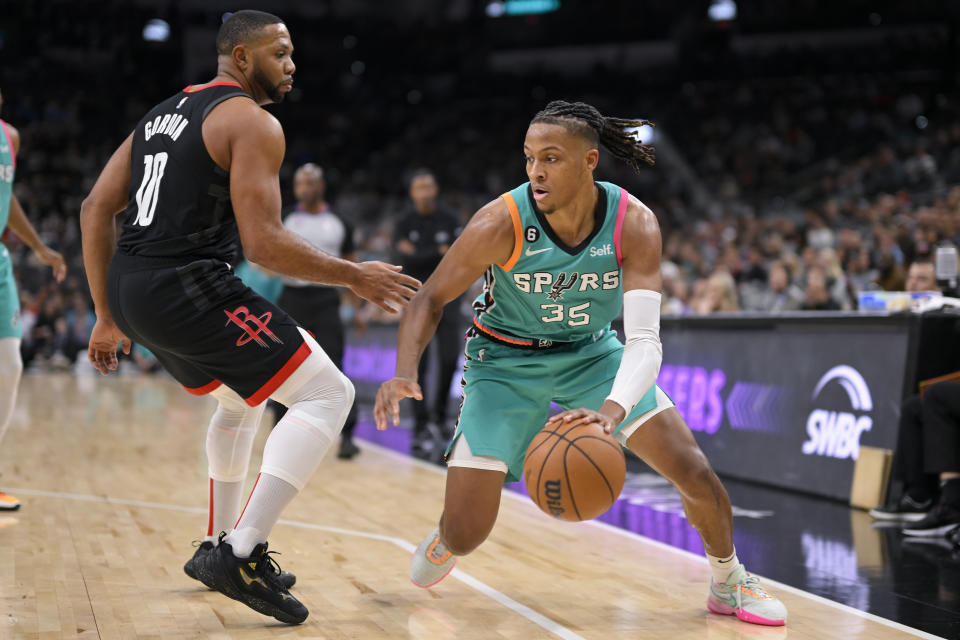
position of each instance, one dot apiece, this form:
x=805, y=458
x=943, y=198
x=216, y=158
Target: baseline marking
x=539, y=619
x=661, y=545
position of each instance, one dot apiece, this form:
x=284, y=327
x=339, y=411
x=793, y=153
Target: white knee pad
x=319, y=400
x=10, y=369
x=230, y=435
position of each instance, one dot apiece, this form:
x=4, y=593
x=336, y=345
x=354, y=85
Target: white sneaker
x=742, y=596
x=432, y=562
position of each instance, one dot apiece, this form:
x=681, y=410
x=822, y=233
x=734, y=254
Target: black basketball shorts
x=204, y=325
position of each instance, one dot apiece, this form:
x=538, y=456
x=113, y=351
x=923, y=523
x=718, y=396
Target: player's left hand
x=102, y=350
x=575, y=417
x=53, y=259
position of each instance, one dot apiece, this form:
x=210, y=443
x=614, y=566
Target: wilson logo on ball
x=554, y=492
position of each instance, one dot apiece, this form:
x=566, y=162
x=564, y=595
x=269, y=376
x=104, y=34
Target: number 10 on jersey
x=153, y=166
x=577, y=314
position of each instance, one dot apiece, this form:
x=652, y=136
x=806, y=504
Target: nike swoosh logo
x=533, y=253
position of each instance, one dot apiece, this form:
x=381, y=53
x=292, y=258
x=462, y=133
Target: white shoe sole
x=931, y=533
x=896, y=517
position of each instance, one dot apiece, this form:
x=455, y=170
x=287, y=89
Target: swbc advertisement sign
x=789, y=407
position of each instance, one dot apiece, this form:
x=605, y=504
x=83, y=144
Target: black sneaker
x=254, y=581
x=940, y=521
x=348, y=449
x=904, y=510
x=195, y=567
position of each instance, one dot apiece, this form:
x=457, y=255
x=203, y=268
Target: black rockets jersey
x=179, y=199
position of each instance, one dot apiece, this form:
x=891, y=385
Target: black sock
x=950, y=492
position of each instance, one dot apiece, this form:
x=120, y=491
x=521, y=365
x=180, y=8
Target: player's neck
x=575, y=221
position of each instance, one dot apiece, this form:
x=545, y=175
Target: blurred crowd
x=824, y=174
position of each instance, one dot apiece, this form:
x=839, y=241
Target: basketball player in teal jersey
x=11, y=213
x=561, y=255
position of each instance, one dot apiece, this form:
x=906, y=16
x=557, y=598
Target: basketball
x=574, y=473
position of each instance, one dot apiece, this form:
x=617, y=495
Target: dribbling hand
x=384, y=285
x=389, y=396
x=102, y=350
x=575, y=417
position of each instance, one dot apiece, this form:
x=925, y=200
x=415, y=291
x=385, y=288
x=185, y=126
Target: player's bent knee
x=698, y=479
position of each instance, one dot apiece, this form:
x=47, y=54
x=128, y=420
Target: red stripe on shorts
x=280, y=376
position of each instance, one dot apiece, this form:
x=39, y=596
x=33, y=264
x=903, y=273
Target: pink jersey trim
x=13, y=153
x=618, y=229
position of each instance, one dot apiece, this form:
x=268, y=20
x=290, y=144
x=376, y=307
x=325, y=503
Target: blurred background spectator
x=804, y=155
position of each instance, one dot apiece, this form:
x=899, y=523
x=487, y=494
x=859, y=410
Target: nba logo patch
x=180, y=104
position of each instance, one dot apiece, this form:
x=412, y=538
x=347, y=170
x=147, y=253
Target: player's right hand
x=384, y=285
x=102, y=350
x=389, y=396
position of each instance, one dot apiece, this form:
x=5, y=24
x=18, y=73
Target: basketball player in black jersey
x=199, y=173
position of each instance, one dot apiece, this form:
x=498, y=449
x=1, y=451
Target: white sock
x=267, y=501
x=229, y=443
x=723, y=567
x=10, y=369
x=226, y=500
x=319, y=397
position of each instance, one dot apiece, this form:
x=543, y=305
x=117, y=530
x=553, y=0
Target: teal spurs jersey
x=8, y=163
x=547, y=291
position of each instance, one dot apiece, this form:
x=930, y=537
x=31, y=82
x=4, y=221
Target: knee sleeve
x=230, y=435
x=318, y=407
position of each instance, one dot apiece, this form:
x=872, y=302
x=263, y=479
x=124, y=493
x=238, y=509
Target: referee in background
x=421, y=237
x=317, y=307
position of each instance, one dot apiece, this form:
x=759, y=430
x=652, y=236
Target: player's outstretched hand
x=389, y=396
x=575, y=417
x=54, y=260
x=384, y=285
x=102, y=350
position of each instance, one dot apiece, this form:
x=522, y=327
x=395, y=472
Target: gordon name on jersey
x=171, y=124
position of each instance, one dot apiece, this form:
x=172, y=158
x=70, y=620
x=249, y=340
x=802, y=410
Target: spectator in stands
x=780, y=294
x=922, y=276
x=817, y=295
x=719, y=293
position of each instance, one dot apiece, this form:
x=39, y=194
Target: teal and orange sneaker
x=741, y=595
x=432, y=562
x=8, y=502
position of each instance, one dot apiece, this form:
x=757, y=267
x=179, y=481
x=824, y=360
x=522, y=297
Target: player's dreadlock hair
x=585, y=120
x=240, y=27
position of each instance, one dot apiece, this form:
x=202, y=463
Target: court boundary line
x=499, y=597
x=689, y=554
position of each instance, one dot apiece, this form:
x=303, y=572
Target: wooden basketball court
x=112, y=476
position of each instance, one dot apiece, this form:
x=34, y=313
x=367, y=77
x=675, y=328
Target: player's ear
x=592, y=159
x=241, y=57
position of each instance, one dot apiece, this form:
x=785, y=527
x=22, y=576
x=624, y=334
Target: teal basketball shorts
x=507, y=394
x=9, y=300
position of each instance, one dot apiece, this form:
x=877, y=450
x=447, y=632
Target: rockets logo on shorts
x=252, y=326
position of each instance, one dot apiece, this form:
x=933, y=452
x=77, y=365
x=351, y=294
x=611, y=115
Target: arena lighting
x=521, y=7
x=722, y=10
x=644, y=134
x=156, y=30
